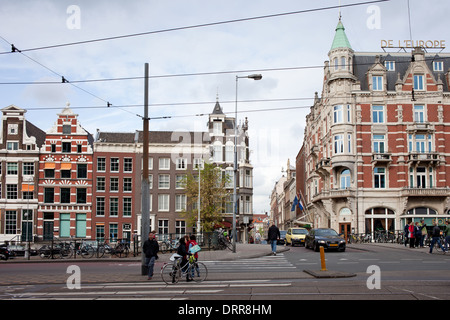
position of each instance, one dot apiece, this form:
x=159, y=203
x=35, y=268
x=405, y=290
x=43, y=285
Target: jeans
x=447, y=241
x=273, y=244
x=433, y=241
x=150, y=263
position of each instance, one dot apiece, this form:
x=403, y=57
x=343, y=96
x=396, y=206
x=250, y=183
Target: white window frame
x=163, y=202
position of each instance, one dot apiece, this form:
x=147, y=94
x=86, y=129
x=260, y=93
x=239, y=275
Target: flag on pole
x=297, y=203
x=300, y=203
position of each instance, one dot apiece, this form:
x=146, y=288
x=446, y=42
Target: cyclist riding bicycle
x=184, y=257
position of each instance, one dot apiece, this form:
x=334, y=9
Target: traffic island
x=329, y=274
x=324, y=273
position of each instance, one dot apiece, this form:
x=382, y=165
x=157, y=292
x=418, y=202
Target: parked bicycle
x=223, y=242
x=122, y=249
x=171, y=273
x=168, y=245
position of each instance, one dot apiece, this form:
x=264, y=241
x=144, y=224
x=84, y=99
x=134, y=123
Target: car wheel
x=316, y=247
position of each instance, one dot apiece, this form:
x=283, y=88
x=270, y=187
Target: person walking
x=273, y=235
x=411, y=235
x=447, y=235
x=436, y=237
x=151, y=249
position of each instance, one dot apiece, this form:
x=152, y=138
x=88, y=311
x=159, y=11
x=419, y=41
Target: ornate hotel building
x=376, y=150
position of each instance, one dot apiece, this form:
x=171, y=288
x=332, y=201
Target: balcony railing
x=426, y=192
x=381, y=157
x=428, y=157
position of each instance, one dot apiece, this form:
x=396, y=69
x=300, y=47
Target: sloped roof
x=340, y=38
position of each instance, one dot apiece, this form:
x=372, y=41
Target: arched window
x=345, y=179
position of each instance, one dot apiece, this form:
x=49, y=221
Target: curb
x=329, y=274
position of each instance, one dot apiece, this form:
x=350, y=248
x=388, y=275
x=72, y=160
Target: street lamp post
x=254, y=77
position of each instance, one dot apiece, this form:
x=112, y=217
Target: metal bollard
x=322, y=259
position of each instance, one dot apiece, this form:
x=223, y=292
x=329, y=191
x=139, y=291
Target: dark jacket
x=182, y=250
x=436, y=232
x=273, y=233
x=151, y=248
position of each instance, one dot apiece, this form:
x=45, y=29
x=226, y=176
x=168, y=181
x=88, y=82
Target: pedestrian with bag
x=273, y=235
x=436, y=237
x=424, y=232
x=194, y=248
x=150, y=249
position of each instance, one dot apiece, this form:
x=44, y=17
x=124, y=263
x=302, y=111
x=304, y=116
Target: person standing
x=273, y=235
x=417, y=234
x=424, y=232
x=151, y=249
x=406, y=231
x=411, y=235
x=436, y=237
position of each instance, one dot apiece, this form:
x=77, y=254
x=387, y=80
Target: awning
x=66, y=166
x=49, y=165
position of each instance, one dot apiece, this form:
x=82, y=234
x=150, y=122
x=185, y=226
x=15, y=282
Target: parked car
x=4, y=253
x=19, y=250
x=325, y=237
x=282, y=239
x=296, y=236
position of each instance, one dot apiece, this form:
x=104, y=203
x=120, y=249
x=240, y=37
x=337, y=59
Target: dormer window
x=389, y=65
x=377, y=83
x=418, y=82
x=438, y=66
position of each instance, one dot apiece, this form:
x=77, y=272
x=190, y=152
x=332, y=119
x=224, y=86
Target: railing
x=77, y=248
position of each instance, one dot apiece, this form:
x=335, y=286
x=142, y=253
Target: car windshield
x=282, y=233
x=299, y=231
x=326, y=232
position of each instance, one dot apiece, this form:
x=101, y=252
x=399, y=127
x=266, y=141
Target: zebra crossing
x=267, y=263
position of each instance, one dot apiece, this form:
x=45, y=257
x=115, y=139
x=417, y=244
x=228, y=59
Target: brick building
x=19, y=166
x=65, y=180
x=376, y=151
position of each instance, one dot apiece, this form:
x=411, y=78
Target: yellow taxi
x=296, y=236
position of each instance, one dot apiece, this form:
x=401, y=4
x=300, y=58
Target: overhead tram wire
x=63, y=79
x=195, y=26
x=191, y=74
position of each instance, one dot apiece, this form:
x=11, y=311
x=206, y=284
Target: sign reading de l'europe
x=436, y=44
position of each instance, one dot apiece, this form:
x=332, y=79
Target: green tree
x=213, y=195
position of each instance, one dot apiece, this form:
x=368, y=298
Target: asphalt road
x=380, y=273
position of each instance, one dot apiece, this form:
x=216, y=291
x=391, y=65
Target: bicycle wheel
x=87, y=252
x=163, y=247
x=170, y=273
x=199, y=271
x=66, y=253
x=100, y=251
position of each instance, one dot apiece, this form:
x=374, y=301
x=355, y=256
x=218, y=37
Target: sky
x=191, y=67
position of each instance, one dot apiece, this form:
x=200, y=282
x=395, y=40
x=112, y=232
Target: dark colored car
x=282, y=239
x=19, y=250
x=4, y=253
x=326, y=238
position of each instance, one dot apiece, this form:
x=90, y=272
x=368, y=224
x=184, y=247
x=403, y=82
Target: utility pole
x=145, y=216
